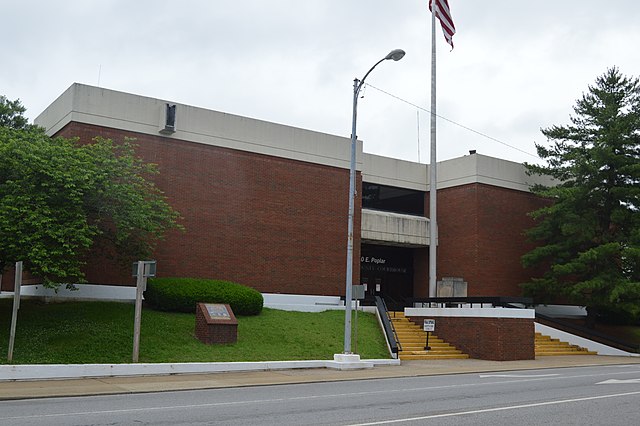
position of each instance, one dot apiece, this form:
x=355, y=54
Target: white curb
x=77, y=371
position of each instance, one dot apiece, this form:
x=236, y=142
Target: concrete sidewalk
x=173, y=382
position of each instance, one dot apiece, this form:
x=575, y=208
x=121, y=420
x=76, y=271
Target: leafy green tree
x=129, y=211
x=59, y=200
x=589, y=233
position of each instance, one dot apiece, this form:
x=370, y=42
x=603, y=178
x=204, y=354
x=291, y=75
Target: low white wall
x=83, y=292
x=86, y=292
x=581, y=341
x=301, y=303
x=470, y=312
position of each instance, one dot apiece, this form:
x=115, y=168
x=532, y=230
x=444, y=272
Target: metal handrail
x=387, y=324
x=477, y=300
x=587, y=333
x=394, y=303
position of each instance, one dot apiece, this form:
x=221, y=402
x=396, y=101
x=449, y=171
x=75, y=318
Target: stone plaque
x=216, y=323
x=217, y=311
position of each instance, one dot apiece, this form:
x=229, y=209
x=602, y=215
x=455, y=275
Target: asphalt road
x=601, y=395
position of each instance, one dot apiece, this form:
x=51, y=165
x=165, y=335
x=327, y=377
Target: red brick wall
x=8, y=279
x=280, y=225
x=274, y=224
x=496, y=339
x=482, y=237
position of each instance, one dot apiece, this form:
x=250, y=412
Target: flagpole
x=433, y=224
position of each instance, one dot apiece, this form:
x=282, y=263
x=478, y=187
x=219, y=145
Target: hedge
x=182, y=295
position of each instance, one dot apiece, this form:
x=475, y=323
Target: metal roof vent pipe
x=169, y=120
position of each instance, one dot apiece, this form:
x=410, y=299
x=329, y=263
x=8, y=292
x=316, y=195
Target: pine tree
x=589, y=233
x=12, y=114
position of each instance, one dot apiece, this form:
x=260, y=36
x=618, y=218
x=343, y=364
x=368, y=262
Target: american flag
x=444, y=15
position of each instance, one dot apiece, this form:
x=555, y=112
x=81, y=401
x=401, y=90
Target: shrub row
x=182, y=295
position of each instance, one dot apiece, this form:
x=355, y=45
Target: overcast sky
x=517, y=66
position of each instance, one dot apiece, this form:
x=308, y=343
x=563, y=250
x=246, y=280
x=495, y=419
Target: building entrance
x=387, y=271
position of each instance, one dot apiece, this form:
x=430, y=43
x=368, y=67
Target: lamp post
x=396, y=55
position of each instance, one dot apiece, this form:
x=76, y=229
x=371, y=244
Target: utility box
x=215, y=323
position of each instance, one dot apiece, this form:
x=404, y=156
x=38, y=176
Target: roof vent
x=169, y=120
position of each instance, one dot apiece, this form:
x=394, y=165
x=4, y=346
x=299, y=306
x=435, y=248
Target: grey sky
x=517, y=66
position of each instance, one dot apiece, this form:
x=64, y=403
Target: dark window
x=392, y=199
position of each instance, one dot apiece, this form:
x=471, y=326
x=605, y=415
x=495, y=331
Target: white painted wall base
x=93, y=292
x=308, y=303
x=301, y=303
x=83, y=292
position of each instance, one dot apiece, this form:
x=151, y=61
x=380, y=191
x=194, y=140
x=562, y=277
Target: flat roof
x=140, y=114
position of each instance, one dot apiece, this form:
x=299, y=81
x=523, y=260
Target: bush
x=182, y=295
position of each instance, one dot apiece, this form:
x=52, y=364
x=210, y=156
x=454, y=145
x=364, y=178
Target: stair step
x=547, y=346
x=547, y=339
x=418, y=339
x=552, y=344
x=406, y=327
x=422, y=343
x=433, y=356
x=422, y=351
x=414, y=349
x=560, y=348
x=584, y=352
x=413, y=338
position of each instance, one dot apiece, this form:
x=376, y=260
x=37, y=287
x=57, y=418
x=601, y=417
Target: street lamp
x=396, y=55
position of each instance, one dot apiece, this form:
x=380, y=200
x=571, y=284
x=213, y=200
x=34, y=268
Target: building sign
x=357, y=292
x=382, y=264
x=376, y=260
x=148, y=270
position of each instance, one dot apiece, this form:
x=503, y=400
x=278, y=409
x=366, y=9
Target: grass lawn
x=102, y=332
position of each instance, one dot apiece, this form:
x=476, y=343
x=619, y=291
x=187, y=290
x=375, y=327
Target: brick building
x=266, y=204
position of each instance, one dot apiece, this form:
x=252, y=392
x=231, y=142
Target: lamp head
x=395, y=54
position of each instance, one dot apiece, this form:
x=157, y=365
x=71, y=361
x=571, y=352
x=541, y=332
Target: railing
x=587, y=333
x=393, y=304
x=389, y=329
x=458, y=302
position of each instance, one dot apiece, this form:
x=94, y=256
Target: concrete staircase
x=546, y=346
x=412, y=340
